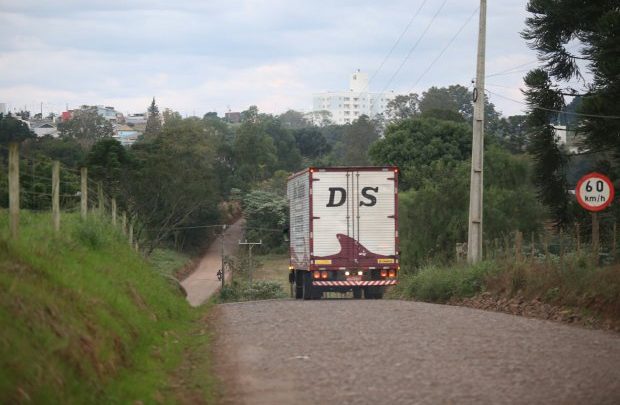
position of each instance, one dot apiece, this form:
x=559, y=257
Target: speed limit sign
x=594, y=192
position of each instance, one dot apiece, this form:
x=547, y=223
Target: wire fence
x=599, y=242
x=39, y=183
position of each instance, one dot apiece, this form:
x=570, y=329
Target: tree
x=402, y=107
x=357, y=140
x=266, y=217
x=172, y=184
x=293, y=120
x=287, y=153
x=107, y=162
x=86, y=126
x=322, y=118
x=414, y=145
x=13, y=130
x=512, y=132
x=255, y=154
x=311, y=142
x=550, y=160
x=153, y=122
x=458, y=99
x=434, y=216
x=575, y=40
x=454, y=98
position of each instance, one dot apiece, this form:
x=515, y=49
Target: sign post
x=595, y=192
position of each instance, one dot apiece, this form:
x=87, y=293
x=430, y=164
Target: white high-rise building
x=347, y=106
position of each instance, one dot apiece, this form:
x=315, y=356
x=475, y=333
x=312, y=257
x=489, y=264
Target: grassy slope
x=85, y=319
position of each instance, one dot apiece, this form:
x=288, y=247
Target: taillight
x=316, y=274
x=324, y=274
x=384, y=273
x=392, y=273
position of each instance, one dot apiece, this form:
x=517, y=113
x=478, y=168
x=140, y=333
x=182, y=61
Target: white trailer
x=343, y=230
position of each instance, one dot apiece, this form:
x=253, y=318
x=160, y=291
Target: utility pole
x=474, y=234
x=250, y=246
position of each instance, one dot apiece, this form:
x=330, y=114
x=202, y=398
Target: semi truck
x=343, y=231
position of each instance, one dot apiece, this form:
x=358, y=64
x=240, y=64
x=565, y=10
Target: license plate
x=354, y=278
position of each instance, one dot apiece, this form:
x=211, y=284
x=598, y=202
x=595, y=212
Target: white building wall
x=347, y=106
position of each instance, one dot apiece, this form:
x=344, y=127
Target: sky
x=197, y=56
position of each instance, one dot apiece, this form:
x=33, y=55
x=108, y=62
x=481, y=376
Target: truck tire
x=357, y=293
x=307, y=286
x=373, y=293
x=299, y=285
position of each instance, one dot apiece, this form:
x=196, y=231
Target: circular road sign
x=594, y=192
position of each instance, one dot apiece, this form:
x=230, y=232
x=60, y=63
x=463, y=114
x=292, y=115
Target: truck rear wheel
x=373, y=293
x=298, y=285
x=307, y=286
x=357, y=293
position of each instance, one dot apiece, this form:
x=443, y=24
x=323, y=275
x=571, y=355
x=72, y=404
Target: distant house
x=136, y=119
x=232, y=117
x=126, y=135
x=44, y=127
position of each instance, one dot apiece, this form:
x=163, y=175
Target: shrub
x=245, y=291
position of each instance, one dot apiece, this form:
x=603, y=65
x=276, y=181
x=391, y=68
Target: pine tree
x=576, y=40
x=549, y=160
x=153, y=122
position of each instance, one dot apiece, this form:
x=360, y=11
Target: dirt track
x=203, y=281
x=397, y=352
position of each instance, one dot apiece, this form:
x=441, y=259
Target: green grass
x=269, y=278
x=440, y=284
x=168, y=261
x=84, y=319
x=574, y=282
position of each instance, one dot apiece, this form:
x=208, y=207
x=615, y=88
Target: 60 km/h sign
x=594, y=192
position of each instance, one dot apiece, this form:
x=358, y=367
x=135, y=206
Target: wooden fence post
x=595, y=236
x=14, y=189
x=113, y=211
x=561, y=247
x=578, y=238
x=613, y=240
x=124, y=223
x=518, y=245
x=100, y=198
x=130, y=234
x=56, y=195
x=84, y=192
x=533, y=246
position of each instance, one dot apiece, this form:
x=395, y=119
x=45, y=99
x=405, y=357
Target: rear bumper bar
x=354, y=283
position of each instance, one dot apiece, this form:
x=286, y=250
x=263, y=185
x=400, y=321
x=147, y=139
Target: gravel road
x=203, y=281
x=398, y=352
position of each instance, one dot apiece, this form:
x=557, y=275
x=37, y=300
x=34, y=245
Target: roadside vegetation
x=85, y=319
x=264, y=282
x=572, y=290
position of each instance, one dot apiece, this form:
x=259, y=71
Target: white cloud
x=200, y=56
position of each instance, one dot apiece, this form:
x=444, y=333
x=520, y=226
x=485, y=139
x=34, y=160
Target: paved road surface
x=396, y=352
x=203, y=281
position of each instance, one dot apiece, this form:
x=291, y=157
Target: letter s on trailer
x=343, y=230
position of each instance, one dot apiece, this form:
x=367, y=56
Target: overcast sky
x=198, y=56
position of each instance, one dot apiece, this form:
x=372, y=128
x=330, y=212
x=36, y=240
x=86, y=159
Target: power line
x=415, y=45
x=396, y=43
x=510, y=70
x=611, y=117
x=458, y=32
